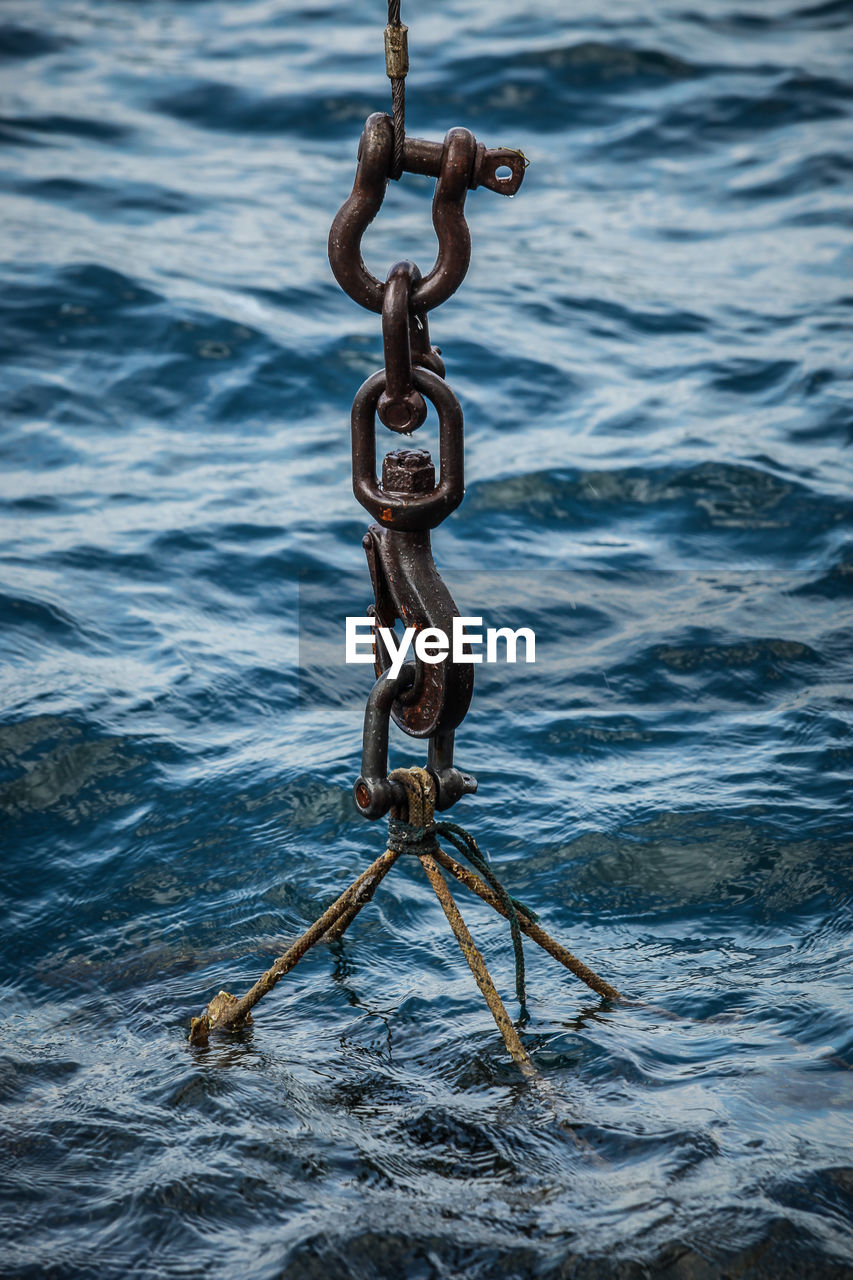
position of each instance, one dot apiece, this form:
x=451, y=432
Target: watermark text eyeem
x=432, y=645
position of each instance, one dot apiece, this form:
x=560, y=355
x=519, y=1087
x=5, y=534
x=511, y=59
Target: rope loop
x=420, y=791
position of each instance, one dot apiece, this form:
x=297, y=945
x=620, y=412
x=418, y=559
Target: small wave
x=21, y=43
x=226, y=108
x=128, y=202
x=720, y=495
x=18, y=128
x=707, y=118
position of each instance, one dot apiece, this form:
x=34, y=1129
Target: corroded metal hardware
x=407, y=587
x=374, y=791
x=425, y=157
x=428, y=699
x=423, y=353
x=405, y=341
x=459, y=163
x=451, y=784
x=400, y=406
x=358, y=211
x=424, y=505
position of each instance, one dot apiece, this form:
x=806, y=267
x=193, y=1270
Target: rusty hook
x=407, y=586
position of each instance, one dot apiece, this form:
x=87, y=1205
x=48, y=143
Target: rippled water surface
x=652, y=349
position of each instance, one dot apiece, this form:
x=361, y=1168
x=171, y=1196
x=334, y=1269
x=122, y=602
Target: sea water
x=652, y=350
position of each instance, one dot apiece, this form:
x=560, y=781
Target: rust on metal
x=400, y=407
x=409, y=501
x=408, y=511
x=458, y=164
x=408, y=587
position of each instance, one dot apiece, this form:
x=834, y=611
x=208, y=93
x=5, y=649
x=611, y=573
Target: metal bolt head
x=403, y=414
x=408, y=471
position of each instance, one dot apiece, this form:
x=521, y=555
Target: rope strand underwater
x=422, y=839
x=415, y=833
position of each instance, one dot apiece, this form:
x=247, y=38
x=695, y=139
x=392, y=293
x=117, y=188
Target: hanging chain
x=425, y=699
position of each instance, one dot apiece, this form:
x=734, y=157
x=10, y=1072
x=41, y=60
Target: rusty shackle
x=459, y=163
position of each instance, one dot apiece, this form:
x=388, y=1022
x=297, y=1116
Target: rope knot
x=413, y=831
x=404, y=837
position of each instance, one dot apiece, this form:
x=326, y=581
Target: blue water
x=653, y=352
